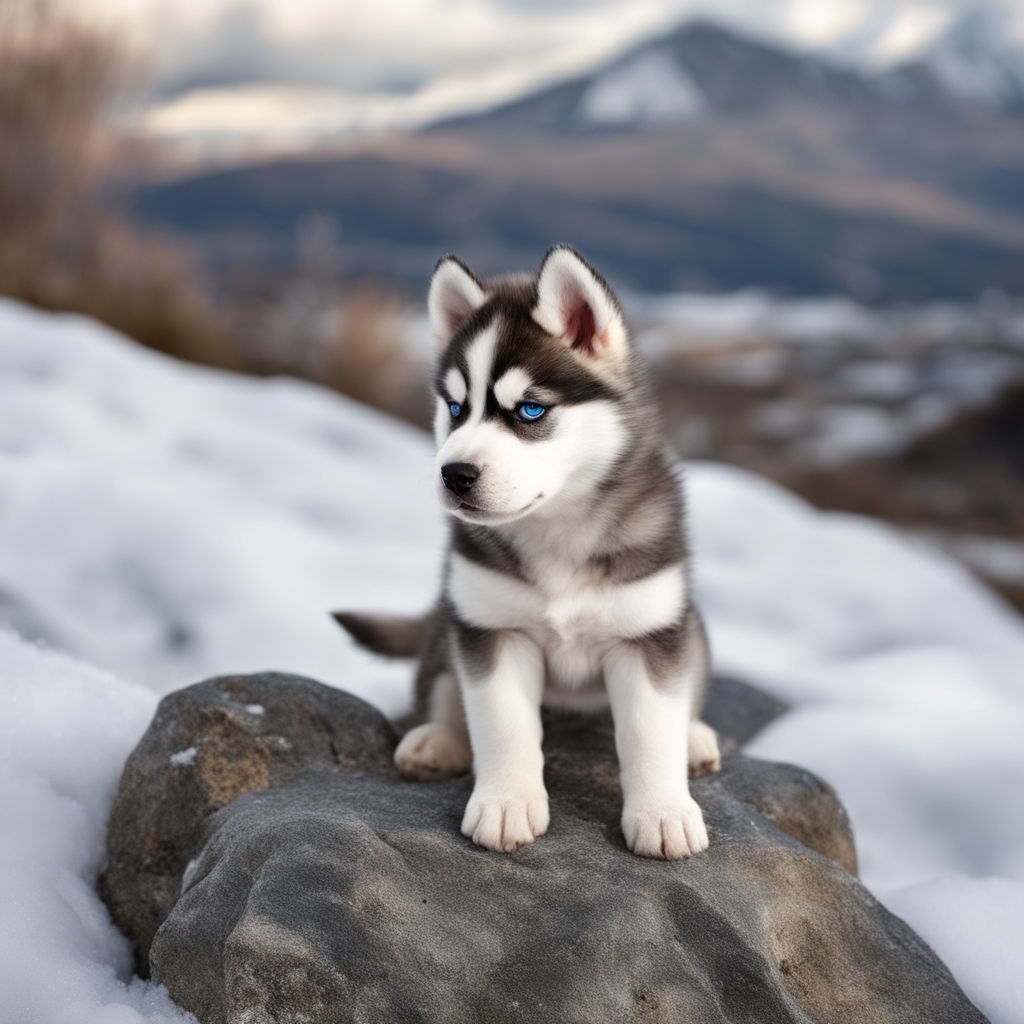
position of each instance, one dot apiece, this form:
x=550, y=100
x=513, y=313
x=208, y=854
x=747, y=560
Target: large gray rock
x=320, y=887
x=207, y=745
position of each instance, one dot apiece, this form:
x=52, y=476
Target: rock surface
x=207, y=745
x=315, y=885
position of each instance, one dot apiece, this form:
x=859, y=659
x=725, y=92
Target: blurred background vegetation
x=70, y=243
x=825, y=262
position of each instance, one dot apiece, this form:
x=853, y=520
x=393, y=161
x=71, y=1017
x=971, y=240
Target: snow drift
x=160, y=523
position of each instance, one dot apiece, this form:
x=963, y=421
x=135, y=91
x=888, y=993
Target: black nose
x=459, y=477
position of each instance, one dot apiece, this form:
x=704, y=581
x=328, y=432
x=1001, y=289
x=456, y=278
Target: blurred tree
x=56, y=79
x=61, y=247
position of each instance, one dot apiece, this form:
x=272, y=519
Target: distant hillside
x=701, y=159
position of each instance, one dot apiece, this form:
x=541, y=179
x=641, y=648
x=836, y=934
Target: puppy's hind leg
x=439, y=748
x=703, y=755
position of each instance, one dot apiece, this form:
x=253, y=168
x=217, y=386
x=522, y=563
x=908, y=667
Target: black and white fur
x=566, y=581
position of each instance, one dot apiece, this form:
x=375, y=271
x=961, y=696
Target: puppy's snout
x=459, y=477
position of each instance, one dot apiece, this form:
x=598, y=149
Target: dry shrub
x=148, y=289
x=56, y=80
x=63, y=248
x=367, y=358
x=60, y=247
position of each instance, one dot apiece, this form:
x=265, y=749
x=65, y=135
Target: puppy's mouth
x=474, y=514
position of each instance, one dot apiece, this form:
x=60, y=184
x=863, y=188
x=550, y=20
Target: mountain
x=701, y=159
x=976, y=59
x=699, y=69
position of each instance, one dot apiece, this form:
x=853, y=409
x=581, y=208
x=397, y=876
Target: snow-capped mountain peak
x=979, y=59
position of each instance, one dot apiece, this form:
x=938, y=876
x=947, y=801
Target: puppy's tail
x=394, y=636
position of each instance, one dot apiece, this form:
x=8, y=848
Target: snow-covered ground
x=819, y=383
x=160, y=523
x=688, y=318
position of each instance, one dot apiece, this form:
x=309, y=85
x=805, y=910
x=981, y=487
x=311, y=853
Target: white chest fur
x=574, y=618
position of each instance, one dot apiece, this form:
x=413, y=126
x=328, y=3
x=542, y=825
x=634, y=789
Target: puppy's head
x=528, y=382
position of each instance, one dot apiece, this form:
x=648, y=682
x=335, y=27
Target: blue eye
x=530, y=411
x=454, y=408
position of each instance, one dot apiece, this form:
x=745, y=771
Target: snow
x=882, y=379
x=753, y=314
x=161, y=523
x=65, y=731
x=166, y=523
x=845, y=432
x=979, y=59
x=904, y=676
x=184, y=757
x=652, y=88
x=950, y=911
x=975, y=378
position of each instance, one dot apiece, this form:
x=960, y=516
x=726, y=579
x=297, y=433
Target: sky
x=284, y=70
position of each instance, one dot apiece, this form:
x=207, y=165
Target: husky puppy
x=566, y=581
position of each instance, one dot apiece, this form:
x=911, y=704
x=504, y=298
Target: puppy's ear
x=575, y=304
x=454, y=294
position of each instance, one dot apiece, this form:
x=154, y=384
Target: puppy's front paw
x=433, y=751
x=667, y=830
x=505, y=821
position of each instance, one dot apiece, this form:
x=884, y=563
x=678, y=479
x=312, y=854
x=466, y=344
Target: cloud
x=395, y=44
x=337, y=68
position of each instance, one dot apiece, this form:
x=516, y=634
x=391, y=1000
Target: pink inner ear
x=581, y=326
x=456, y=310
